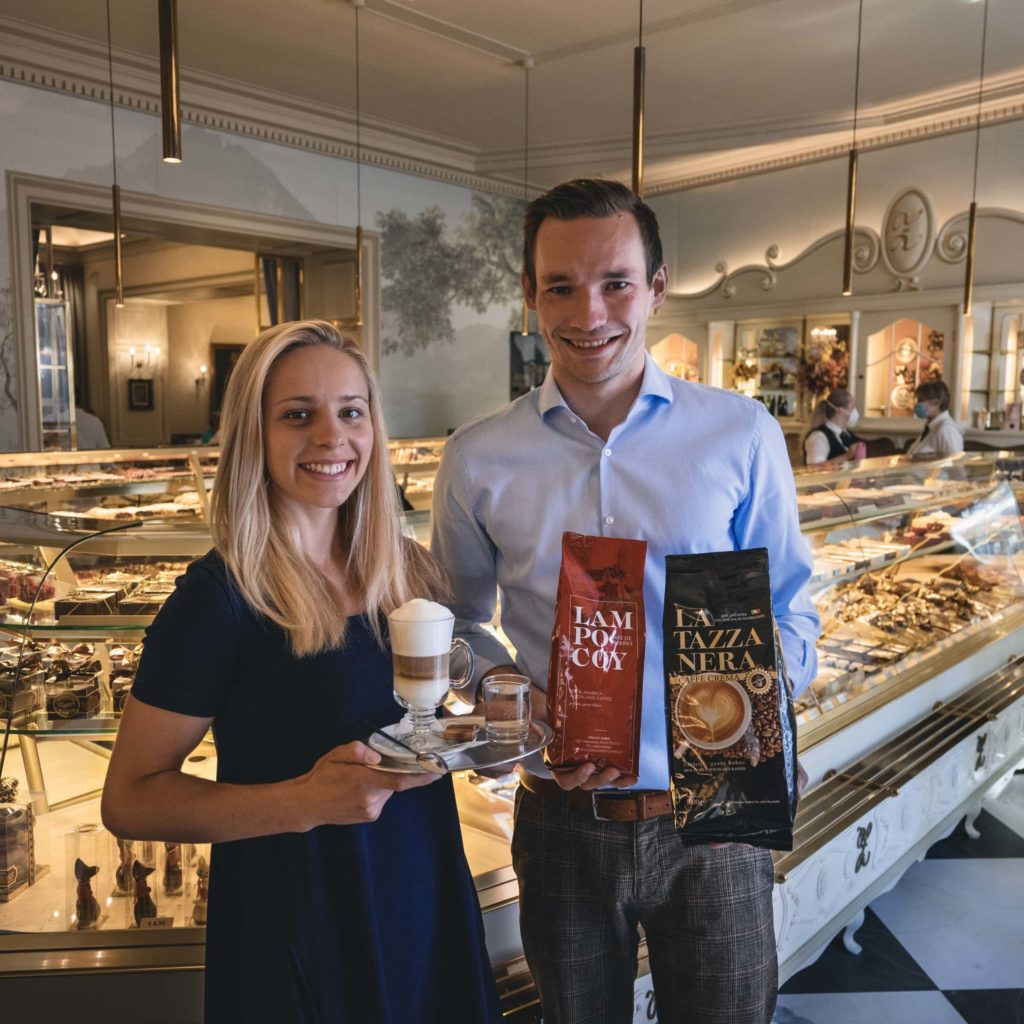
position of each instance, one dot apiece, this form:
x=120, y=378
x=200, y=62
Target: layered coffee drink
x=421, y=646
x=421, y=641
x=421, y=680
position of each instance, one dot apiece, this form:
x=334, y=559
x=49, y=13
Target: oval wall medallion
x=908, y=233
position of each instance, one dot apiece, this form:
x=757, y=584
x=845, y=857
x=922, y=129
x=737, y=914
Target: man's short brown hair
x=590, y=197
x=933, y=390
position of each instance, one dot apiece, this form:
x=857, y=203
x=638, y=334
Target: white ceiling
x=730, y=83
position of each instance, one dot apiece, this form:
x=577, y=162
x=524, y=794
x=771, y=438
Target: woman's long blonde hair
x=262, y=549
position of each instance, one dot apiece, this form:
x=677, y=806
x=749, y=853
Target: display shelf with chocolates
x=111, y=484
x=415, y=461
x=913, y=563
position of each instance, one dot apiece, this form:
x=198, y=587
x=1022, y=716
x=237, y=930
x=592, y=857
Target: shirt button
x=609, y=520
x=607, y=451
x=572, y=419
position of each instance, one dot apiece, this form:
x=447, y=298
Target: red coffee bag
x=595, y=673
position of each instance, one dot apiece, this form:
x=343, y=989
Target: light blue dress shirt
x=691, y=469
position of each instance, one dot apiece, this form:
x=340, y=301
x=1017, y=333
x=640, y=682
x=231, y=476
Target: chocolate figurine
x=144, y=905
x=199, y=907
x=87, y=909
x=123, y=875
x=172, y=868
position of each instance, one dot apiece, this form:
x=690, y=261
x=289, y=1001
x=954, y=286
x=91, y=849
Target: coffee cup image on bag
x=421, y=648
x=712, y=712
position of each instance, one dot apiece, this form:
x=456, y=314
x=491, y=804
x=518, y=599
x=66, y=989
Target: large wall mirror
x=195, y=295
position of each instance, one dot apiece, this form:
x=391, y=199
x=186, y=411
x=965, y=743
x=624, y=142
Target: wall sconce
x=144, y=358
x=201, y=379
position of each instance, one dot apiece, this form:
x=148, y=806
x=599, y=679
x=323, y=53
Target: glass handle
x=458, y=644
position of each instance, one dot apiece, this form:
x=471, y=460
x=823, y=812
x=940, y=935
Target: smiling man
x=612, y=446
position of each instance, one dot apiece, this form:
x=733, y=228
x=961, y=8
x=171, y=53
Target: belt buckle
x=593, y=806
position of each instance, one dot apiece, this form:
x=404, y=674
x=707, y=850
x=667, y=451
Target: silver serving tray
x=464, y=758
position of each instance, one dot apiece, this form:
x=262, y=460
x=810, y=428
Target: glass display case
x=767, y=363
x=111, y=483
x=910, y=559
x=917, y=570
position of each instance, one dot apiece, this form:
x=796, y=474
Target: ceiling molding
x=794, y=154
x=676, y=161
x=78, y=67
x=412, y=18
x=1003, y=93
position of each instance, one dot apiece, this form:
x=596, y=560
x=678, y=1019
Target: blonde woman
x=338, y=893
x=831, y=439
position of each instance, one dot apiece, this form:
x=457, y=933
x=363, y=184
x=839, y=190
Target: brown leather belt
x=630, y=805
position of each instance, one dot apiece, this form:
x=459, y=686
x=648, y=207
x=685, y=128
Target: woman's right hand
x=343, y=787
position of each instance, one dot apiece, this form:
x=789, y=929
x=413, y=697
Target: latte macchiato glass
x=422, y=646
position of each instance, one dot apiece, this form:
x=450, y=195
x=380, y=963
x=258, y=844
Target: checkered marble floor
x=945, y=946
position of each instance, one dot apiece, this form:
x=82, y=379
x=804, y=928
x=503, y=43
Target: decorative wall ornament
x=865, y=255
x=908, y=233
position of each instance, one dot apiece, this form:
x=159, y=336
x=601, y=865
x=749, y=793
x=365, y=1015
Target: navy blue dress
x=353, y=923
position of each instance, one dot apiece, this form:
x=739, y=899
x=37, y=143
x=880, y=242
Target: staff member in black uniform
x=830, y=438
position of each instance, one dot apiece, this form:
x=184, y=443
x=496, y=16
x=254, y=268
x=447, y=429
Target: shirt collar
x=655, y=384
x=941, y=418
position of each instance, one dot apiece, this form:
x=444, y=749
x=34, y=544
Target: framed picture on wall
x=140, y=394
x=222, y=359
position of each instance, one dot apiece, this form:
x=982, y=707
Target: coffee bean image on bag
x=595, y=672
x=731, y=723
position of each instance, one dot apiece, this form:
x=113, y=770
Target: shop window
x=900, y=357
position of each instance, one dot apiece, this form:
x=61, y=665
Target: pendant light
x=115, y=190
x=170, y=96
x=527, y=64
x=357, y=4
x=638, y=109
x=851, y=180
x=972, y=221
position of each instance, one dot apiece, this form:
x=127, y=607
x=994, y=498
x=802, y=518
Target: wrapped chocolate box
x=732, y=729
x=75, y=697
x=595, y=672
x=86, y=601
x=17, y=846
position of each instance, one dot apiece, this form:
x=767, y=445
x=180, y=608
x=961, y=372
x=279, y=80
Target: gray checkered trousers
x=586, y=888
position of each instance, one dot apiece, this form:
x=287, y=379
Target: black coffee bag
x=732, y=731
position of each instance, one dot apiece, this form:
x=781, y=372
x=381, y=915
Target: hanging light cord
x=981, y=84
x=359, y=146
x=110, y=72
x=526, y=132
x=856, y=77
